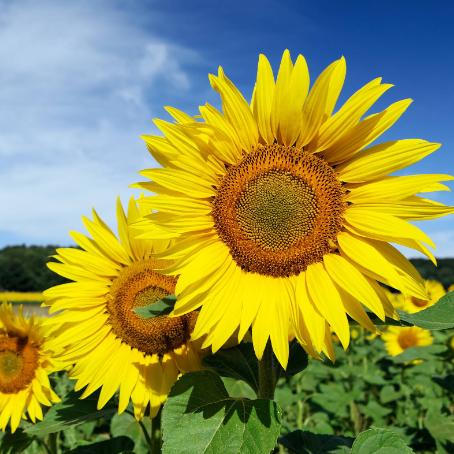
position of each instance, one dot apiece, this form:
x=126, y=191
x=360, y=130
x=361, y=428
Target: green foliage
x=366, y=387
x=199, y=405
x=23, y=269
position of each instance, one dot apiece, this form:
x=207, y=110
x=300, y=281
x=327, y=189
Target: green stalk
x=52, y=442
x=267, y=374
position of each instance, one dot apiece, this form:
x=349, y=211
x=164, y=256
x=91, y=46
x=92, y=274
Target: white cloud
x=76, y=83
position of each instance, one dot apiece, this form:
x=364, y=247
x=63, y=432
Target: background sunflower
x=25, y=363
x=96, y=328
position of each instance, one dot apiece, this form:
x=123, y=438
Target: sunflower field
x=252, y=298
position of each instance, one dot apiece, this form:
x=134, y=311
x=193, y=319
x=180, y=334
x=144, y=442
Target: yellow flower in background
x=112, y=347
x=25, y=363
x=451, y=288
x=397, y=339
x=280, y=212
x=12, y=297
x=354, y=333
x=413, y=304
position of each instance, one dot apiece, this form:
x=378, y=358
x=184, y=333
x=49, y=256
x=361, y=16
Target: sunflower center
x=407, y=339
x=140, y=285
x=418, y=302
x=18, y=363
x=279, y=210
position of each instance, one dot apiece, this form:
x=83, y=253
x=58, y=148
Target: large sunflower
x=25, y=363
x=282, y=213
x=112, y=347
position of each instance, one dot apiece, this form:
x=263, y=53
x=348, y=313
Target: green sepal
x=161, y=307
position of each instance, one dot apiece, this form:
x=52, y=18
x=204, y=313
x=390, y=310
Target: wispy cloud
x=77, y=83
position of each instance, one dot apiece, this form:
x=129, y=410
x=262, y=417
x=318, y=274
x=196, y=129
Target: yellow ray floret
x=283, y=212
x=25, y=363
x=96, y=331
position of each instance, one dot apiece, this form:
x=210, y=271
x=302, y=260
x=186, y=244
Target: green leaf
x=238, y=362
x=424, y=353
x=389, y=394
x=115, y=445
x=161, y=307
x=303, y=442
x=199, y=416
x=379, y=441
x=71, y=411
x=440, y=426
x=19, y=441
x=238, y=388
x=436, y=317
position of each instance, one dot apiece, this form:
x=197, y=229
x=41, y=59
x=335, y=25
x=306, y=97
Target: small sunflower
x=25, y=363
x=281, y=214
x=97, y=330
x=398, y=339
x=413, y=304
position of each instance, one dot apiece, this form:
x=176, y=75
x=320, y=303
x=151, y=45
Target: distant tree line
x=23, y=269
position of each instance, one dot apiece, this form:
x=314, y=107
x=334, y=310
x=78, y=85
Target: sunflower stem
x=156, y=434
x=267, y=374
x=52, y=442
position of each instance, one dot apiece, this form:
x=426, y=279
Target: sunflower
x=413, y=304
x=281, y=214
x=97, y=331
x=25, y=363
x=398, y=339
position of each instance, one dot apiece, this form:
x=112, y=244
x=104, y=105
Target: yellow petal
x=395, y=188
x=292, y=109
x=263, y=99
x=346, y=276
x=415, y=211
x=180, y=116
x=348, y=115
x=281, y=91
x=321, y=100
x=236, y=110
x=313, y=321
x=327, y=300
x=364, y=253
x=381, y=226
x=385, y=158
x=365, y=132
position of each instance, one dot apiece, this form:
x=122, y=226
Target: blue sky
x=81, y=80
